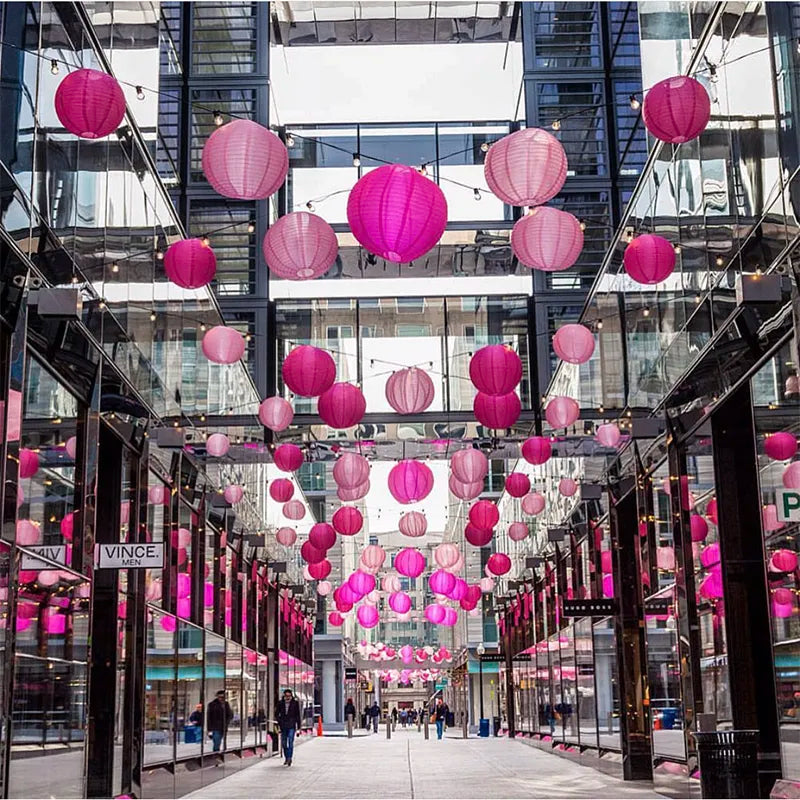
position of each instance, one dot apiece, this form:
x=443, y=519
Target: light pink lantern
x=665, y=558
x=533, y=504
x=190, y=263
x=28, y=463
x=783, y=561
x=217, y=445
x=413, y=524
x=484, y=515
x=281, y=490
x=547, y=239
x=286, y=536
x=275, y=413
x=410, y=481
x=308, y=371
x=791, y=476
x=469, y=465
x=518, y=484
x=347, y=520
x=409, y=391
x=233, y=493
x=608, y=434
x=487, y=584
x=780, y=446
x=478, y=537
x=769, y=518
x=320, y=570
x=465, y=491
x=300, y=246
x=567, y=487
x=649, y=259
x=322, y=536
x=497, y=412
x=27, y=533
x=792, y=385
x=390, y=583
x=158, y=495
x=223, y=345
x=498, y=563
x=676, y=109
x=245, y=161
x=71, y=447
x=409, y=562
x=446, y=555
x=293, y=510
x=561, y=412
x=351, y=471
x=435, y=613
x=536, y=450
x=342, y=406
x=90, y=103
x=396, y=213
x=526, y=168
x=324, y=588
x=400, y=602
x=350, y=495
x=573, y=343
x=373, y=556
x=495, y=369
x=517, y=531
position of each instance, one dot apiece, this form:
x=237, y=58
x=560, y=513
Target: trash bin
x=496, y=724
x=728, y=763
x=483, y=727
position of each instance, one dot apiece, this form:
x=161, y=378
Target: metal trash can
x=728, y=763
x=483, y=727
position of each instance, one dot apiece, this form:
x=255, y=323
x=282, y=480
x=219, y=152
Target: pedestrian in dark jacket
x=218, y=716
x=440, y=711
x=289, y=722
x=375, y=715
x=349, y=716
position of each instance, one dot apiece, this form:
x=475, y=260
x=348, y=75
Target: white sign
x=788, y=504
x=57, y=553
x=129, y=556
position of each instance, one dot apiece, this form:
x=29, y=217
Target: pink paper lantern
x=281, y=490
x=495, y=369
x=461, y=591
x=435, y=613
x=518, y=484
x=780, y=446
x=665, y=558
x=497, y=411
x=526, y=168
x=547, y=239
x=517, y=531
x=288, y=458
x=450, y=619
x=573, y=343
x=233, y=494
x=28, y=463
x=27, y=533
x=308, y=371
x=561, y=412
x=275, y=413
x=710, y=555
x=711, y=586
x=769, y=518
x=606, y=562
x=311, y=554
x=373, y=556
x=67, y=526
x=698, y=528
x=169, y=624
x=413, y=524
x=782, y=610
x=446, y=555
x=71, y=447
x=469, y=465
x=410, y=481
x=324, y=588
x=567, y=487
x=783, y=596
x=396, y=213
x=362, y=583
x=791, y=476
x=676, y=109
x=478, y=537
x=335, y=619
x=368, y=616
x=286, y=536
x=536, y=450
x=347, y=520
x=293, y=510
x=442, y=582
x=649, y=259
x=409, y=562
x=608, y=586
x=245, y=161
x=322, y=536
x=300, y=246
x=533, y=504
x=190, y=263
x=351, y=471
x=90, y=103
x=783, y=561
x=409, y=391
x=350, y=495
x=484, y=515
x=217, y=445
x=608, y=434
x=223, y=345
x=711, y=510
x=487, y=584
x=320, y=570
x=400, y=602
x=498, y=564
x=342, y=406
x=465, y=491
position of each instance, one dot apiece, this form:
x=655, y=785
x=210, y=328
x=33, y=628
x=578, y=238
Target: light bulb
x=310, y=206
x=556, y=125
x=54, y=67
x=635, y=104
x=485, y=147
x=476, y=193
x=218, y=118
x=356, y=160
x=139, y=93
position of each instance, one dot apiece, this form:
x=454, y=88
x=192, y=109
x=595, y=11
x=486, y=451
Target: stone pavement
x=410, y=767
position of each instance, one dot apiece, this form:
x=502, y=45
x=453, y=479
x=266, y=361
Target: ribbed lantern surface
x=547, y=239
x=300, y=246
x=649, y=259
x=308, y=371
x=409, y=391
x=190, y=263
x=676, y=109
x=90, y=103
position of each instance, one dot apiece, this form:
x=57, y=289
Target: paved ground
x=410, y=767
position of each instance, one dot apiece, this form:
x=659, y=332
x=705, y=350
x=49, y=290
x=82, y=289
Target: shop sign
x=600, y=607
x=350, y=674
x=522, y=657
x=129, y=556
x=491, y=658
x=442, y=684
x=788, y=503
x=56, y=553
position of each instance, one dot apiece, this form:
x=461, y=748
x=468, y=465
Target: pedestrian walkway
x=408, y=766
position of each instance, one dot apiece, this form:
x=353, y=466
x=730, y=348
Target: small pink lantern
x=698, y=528
x=561, y=412
x=526, y=168
x=400, y=602
x=533, y=504
x=245, y=161
x=351, y=471
x=710, y=555
x=478, y=537
x=288, y=458
x=335, y=619
x=608, y=586
x=782, y=610
x=308, y=371
x=783, y=561
x=783, y=596
x=495, y=369
x=518, y=484
x=368, y=616
x=497, y=412
x=442, y=582
x=409, y=562
x=573, y=343
x=413, y=524
x=27, y=533
x=322, y=536
x=362, y=583
x=71, y=447
x=217, y=445
x=465, y=491
x=791, y=476
x=711, y=586
x=275, y=413
x=792, y=385
x=300, y=246
x=435, y=614
x=665, y=558
x=469, y=465
x=190, y=263
x=711, y=510
x=311, y=554
x=461, y=591
x=342, y=406
x=223, y=345
x=67, y=526
x=410, y=481
x=567, y=487
x=281, y=490
x=536, y=450
x=487, y=584
x=517, y=531
x=676, y=109
x=780, y=446
x=450, y=619
x=606, y=562
x=498, y=564
x=396, y=213
x=28, y=463
x=347, y=520
x=169, y=624
x=484, y=515
x=350, y=495
x=608, y=434
x=769, y=518
x=286, y=536
x=409, y=391
x=446, y=555
x=90, y=103
x=293, y=510
x=320, y=570
x=373, y=556
x=324, y=588
x=233, y=493
x=547, y=239
x=649, y=259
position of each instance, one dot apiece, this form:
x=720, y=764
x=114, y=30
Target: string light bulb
x=635, y=104
x=583, y=225
x=484, y=147
x=251, y=227
x=677, y=248
x=356, y=160
x=159, y=255
x=289, y=140
x=218, y=120
x=556, y=125
x=53, y=67
x=139, y=93
x=646, y=312
x=476, y=193
x=152, y=316
x=310, y=206
x=205, y=240
x=423, y=170
x=719, y=261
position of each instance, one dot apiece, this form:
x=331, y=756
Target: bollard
x=427, y=733
x=388, y=728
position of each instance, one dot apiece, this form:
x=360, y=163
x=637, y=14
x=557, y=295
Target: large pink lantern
x=498, y=564
x=409, y=391
x=478, y=537
x=533, y=503
x=90, y=103
x=435, y=613
x=410, y=481
x=362, y=583
x=608, y=434
x=469, y=465
x=288, y=458
x=308, y=371
x=293, y=510
x=276, y=413
x=190, y=263
x=495, y=369
x=698, y=528
x=484, y=515
x=573, y=343
x=320, y=570
x=245, y=161
x=780, y=446
x=281, y=490
x=322, y=536
x=286, y=536
x=649, y=259
x=396, y=213
x=517, y=531
x=347, y=520
x=311, y=554
x=518, y=484
x=526, y=168
x=223, y=345
x=351, y=471
x=567, y=487
x=791, y=476
x=233, y=494
x=27, y=533
x=547, y=239
x=217, y=445
x=342, y=406
x=446, y=555
x=373, y=556
x=413, y=524
x=536, y=450
x=300, y=246
x=399, y=602
x=783, y=561
x=561, y=412
x=409, y=562
x=676, y=109
x=442, y=582
x=28, y=462
x=710, y=555
x=497, y=411
x=351, y=495
x=465, y=491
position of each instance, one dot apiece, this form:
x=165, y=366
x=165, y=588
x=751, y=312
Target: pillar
x=329, y=690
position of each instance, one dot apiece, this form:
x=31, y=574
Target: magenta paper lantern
x=518, y=484
x=442, y=582
x=217, y=445
x=676, y=109
x=410, y=481
x=517, y=531
x=320, y=570
x=300, y=246
x=362, y=583
x=606, y=564
x=368, y=616
x=28, y=463
x=308, y=371
x=698, y=528
x=447, y=555
x=435, y=613
x=791, y=476
x=347, y=520
x=495, y=369
x=478, y=537
x=409, y=391
x=469, y=465
x=27, y=533
x=533, y=504
x=782, y=610
x=561, y=412
x=373, y=556
x=322, y=536
x=497, y=411
x=547, y=239
x=293, y=510
x=342, y=406
x=711, y=510
x=526, y=168
x=311, y=554
x=710, y=555
x=413, y=524
x=409, y=562
x=450, y=618
x=608, y=586
x=396, y=213
x=649, y=259
x=665, y=558
x=711, y=586
x=281, y=490
x=276, y=413
x=498, y=564
x=484, y=515
x=190, y=263
x=567, y=487
x=90, y=103
x=462, y=591
x=350, y=495
x=783, y=561
x=783, y=596
x=233, y=493
x=223, y=345
x=67, y=526
x=288, y=458
x=351, y=471
x=573, y=343
x=286, y=536
x=400, y=602
x=608, y=434
x=465, y=491
x=780, y=446
x=335, y=619
x=245, y=161
x=536, y=450
x=169, y=624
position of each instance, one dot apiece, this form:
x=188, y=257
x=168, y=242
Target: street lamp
x=480, y=650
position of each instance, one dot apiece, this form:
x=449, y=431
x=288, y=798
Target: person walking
x=349, y=716
x=218, y=716
x=375, y=713
x=403, y=717
x=440, y=713
x=394, y=717
x=289, y=723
